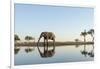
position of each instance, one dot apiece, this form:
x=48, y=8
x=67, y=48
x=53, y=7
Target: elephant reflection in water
x=46, y=53
x=47, y=36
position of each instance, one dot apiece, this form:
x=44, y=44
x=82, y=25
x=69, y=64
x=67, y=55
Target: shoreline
x=30, y=44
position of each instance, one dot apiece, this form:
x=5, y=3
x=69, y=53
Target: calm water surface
x=31, y=55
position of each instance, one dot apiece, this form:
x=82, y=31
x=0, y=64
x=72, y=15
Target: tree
x=16, y=37
x=91, y=32
x=84, y=35
x=76, y=40
x=28, y=38
x=77, y=45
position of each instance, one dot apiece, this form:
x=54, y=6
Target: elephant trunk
x=38, y=41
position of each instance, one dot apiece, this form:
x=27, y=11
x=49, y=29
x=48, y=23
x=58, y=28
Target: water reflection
x=86, y=53
x=29, y=50
x=16, y=50
x=27, y=55
x=46, y=52
x=76, y=45
x=91, y=53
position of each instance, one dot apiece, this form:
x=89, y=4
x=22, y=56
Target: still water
x=68, y=53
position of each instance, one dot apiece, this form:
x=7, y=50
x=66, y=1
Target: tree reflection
x=90, y=53
x=76, y=45
x=28, y=50
x=16, y=50
x=84, y=52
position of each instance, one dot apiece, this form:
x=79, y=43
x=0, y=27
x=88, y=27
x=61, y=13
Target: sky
x=65, y=22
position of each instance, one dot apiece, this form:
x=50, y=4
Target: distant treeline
x=51, y=44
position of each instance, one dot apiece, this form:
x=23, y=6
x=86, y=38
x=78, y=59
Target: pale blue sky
x=65, y=22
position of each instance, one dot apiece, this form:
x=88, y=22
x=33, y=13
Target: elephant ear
x=53, y=35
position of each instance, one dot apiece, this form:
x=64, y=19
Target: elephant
x=47, y=36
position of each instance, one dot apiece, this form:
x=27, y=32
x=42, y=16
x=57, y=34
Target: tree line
x=85, y=33
x=28, y=38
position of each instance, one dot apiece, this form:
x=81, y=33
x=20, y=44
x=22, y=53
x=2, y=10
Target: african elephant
x=47, y=36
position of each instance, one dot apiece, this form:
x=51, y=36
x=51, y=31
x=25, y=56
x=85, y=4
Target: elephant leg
x=44, y=44
x=53, y=44
x=47, y=44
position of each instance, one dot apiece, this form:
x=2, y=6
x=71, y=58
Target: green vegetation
x=76, y=40
x=91, y=32
x=84, y=35
x=28, y=38
x=16, y=37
